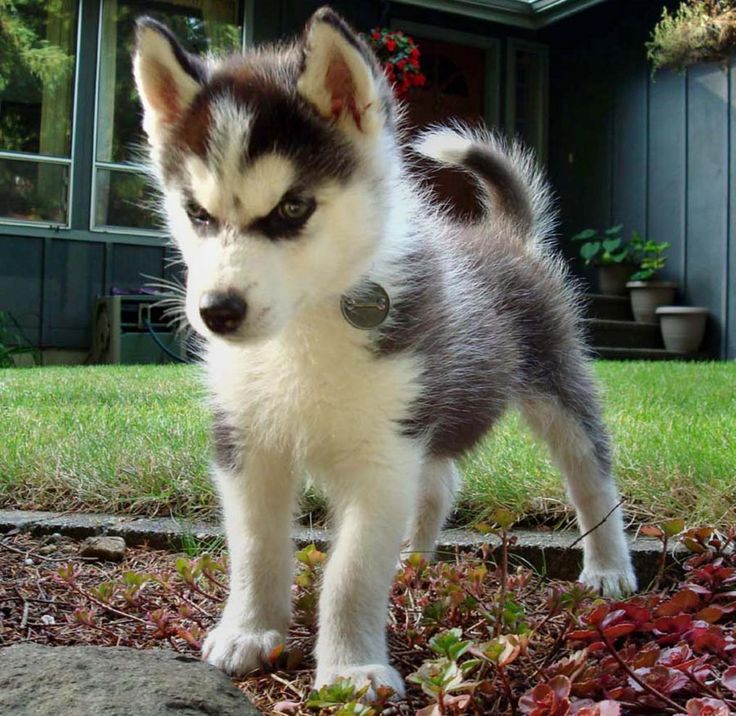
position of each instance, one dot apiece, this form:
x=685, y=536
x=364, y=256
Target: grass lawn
x=135, y=439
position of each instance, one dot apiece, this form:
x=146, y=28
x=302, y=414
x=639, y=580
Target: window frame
x=49, y=158
x=245, y=11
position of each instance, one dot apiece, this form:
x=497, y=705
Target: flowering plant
x=399, y=57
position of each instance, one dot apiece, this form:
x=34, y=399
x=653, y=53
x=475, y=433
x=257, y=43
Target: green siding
x=653, y=154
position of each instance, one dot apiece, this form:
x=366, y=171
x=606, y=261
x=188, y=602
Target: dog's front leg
x=373, y=501
x=258, y=505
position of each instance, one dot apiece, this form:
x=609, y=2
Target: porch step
x=610, y=308
x=623, y=334
x=643, y=354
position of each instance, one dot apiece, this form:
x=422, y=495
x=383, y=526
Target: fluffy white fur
x=305, y=390
x=164, y=87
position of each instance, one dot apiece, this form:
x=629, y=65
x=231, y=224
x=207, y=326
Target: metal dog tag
x=366, y=307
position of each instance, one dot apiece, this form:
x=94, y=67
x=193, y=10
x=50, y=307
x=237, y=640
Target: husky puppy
x=354, y=331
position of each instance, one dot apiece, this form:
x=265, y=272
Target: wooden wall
x=654, y=153
x=49, y=284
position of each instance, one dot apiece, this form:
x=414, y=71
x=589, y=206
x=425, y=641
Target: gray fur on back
x=491, y=311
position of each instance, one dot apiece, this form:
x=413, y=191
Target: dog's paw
x=610, y=583
x=377, y=675
x=239, y=652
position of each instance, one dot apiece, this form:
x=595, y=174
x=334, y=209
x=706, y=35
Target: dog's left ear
x=338, y=77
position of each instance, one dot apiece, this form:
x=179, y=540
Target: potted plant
x=610, y=255
x=399, y=55
x=647, y=294
x=683, y=327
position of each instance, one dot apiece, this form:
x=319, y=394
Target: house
x=568, y=76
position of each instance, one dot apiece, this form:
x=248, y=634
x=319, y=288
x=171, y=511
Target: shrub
x=698, y=31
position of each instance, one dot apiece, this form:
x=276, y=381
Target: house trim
x=529, y=14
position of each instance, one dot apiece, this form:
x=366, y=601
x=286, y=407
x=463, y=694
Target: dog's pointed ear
x=339, y=74
x=167, y=77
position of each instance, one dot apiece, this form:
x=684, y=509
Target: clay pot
x=683, y=327
x=612, y=279
x=648, y=296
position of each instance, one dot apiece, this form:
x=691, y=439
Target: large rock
x=37, y=680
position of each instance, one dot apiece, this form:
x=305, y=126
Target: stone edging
x=553, y=554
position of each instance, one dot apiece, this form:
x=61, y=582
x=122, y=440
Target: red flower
x=375, y=35
x=414, y=54
x=390, y=44
x=401, y=64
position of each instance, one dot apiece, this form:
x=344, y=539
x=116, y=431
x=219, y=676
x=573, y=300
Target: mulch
x=51, y=595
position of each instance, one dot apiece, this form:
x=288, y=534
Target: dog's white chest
x=313, y=392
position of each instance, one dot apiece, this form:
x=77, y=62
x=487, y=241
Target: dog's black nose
x=222, y=312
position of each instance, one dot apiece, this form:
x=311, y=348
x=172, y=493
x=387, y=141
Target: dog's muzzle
x=222, y=313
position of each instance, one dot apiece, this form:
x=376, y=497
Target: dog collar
x=366, y=306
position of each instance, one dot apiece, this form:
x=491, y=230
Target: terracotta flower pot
x=648, y=296
x=612, y=279
x=683, y=327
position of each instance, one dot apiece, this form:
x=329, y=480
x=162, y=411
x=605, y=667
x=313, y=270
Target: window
x=121, y=196
x=526, y=94
x=38, y=47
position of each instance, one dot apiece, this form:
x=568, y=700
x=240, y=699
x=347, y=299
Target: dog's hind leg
x=572, y=427
x=437, y=488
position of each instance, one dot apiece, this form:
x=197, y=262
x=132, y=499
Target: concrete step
x=623, y=334
x=642, y=354
x=611, y=308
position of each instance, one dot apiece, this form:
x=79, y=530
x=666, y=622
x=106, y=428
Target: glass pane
x=200, y=25
x=37, y=46
x=33, y=191
x=124, y=199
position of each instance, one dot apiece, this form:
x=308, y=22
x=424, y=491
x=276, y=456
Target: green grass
x=135, y=439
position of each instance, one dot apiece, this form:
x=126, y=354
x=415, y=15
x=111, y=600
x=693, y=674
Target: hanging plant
x=399, y=57
x=699, y=31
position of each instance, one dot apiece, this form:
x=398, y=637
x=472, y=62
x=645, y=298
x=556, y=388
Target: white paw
x=610, y=583
x=239, y=652
x=376, y=675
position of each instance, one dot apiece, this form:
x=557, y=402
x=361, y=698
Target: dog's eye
x=197, y=214
x=295, y=209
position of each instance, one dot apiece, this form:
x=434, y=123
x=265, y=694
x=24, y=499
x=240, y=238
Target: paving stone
x=39, y=680
x=555, y=554
x=163, y=532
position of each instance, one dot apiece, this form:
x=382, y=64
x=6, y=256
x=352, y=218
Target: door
x=455, y=89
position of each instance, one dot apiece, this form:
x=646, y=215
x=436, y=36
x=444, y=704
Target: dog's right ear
x=167, y=77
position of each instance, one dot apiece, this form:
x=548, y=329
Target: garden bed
x=472, y=637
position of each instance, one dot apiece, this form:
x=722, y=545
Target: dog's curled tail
x=508, y=175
